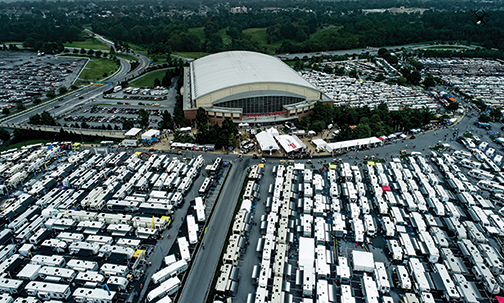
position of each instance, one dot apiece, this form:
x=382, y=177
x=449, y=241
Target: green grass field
x=258, y=37
x=192, y=55
x=127, y=57
x=198, y=31
x=21, y=144
x=452, y=47
x=87, y=44
x=226, y=39
x=96, y=67
x=148, y=80
x=137, y=48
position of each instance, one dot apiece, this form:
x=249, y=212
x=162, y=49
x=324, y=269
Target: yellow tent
x=332, y=166
x=371, y=163
x=138, y=253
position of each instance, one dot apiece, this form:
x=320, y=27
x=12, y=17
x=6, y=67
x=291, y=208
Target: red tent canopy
x=386, y=188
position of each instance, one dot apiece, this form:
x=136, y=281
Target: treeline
x=302, y=31
x=37, y=28
x=296, y=27
x=222, y=136
x=362, y=122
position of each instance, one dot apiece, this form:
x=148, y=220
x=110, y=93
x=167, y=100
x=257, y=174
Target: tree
x=84, y=125
x=414, y=77
x=201, y=119
x=83, y=51
x=51, y=94
x=98, y=54
x=484, y=118
x=75, y=51
x=128, y=124
x=5, y=111
x=453, y=106
x=20, y=106
x=429, y=81
x=166, y=121
x=353, y=73
x=232, y=140
x=90, y=52
x=4, y=135
x=36, y=100
x=157, y=82
x=62, y=90
x=143, y=118
x=380, y=77
x=496, y=114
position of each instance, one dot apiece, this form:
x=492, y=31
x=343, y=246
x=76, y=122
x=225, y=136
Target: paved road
x=86, y=94
x=205, y=263
x=363, y=50
x=73, y=100
x=144, y=61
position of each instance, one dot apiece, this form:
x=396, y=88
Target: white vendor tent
x=273, y=131
x=133, y=132
x=267, y=142
x=151, y=133
x=298, y=141
x=319, y=143
x=352, y=143
x=288, y=143
x=363, y=261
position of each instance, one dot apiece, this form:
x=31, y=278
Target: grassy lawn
x=148, y=80
x=24, y=143
x=192, y=55
x=96, y=67
x=137, y=48
x=127, y=57
x=198, y=31
x=226, y=39
x=455, y=47
x=258, y=37
x=87, y=44
x=88, y=27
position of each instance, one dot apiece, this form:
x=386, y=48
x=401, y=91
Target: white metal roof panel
x=228, y=69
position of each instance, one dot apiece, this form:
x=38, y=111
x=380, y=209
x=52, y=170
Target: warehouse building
x=247, y=87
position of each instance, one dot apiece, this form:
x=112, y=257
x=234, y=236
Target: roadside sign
x=109, y=83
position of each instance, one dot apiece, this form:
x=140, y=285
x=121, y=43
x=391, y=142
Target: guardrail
x=55, y=129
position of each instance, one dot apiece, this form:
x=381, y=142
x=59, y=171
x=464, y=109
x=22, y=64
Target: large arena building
x=247, y=87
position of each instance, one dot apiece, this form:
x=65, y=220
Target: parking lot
x=98, y=115
x=25, y=75
x=354, y=92
x=315, y=213
x=481, y=78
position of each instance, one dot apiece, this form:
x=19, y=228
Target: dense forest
x=293, y=26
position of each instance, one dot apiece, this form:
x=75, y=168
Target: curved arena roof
x=228, y=69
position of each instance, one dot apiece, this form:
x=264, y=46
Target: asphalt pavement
x=200, y=277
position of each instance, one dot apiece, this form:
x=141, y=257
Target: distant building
x=247, y=87
x=238, y=10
